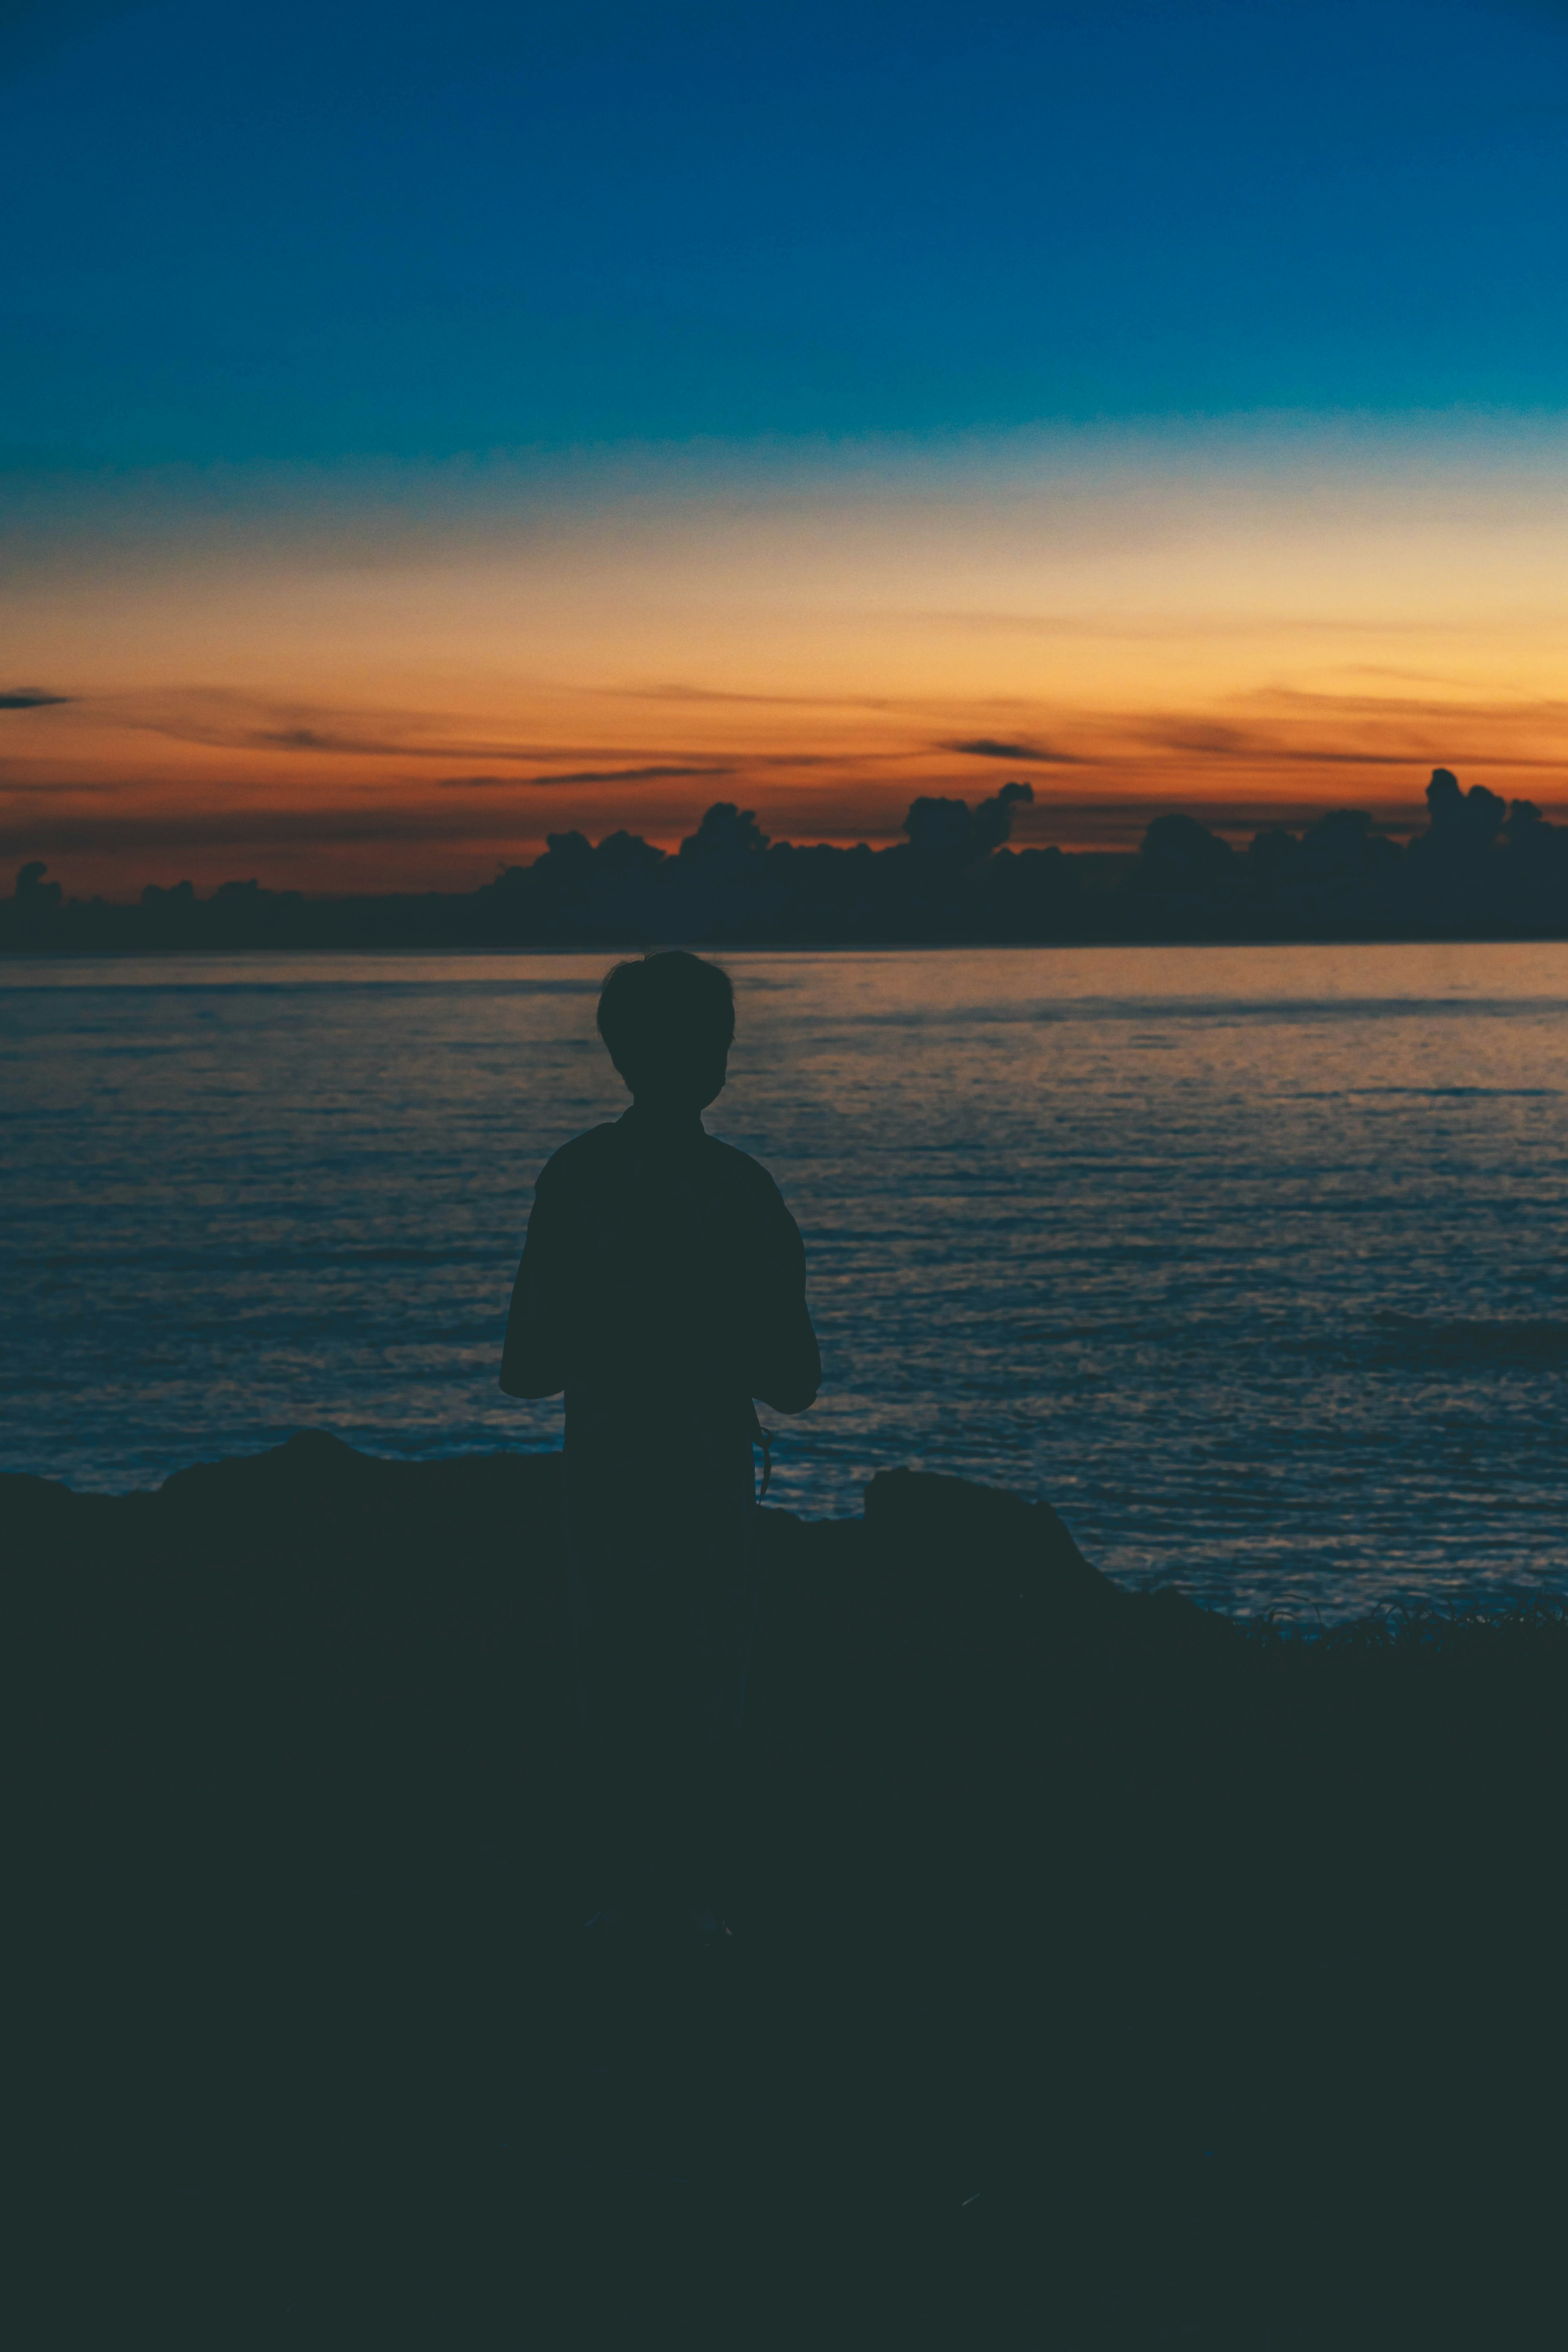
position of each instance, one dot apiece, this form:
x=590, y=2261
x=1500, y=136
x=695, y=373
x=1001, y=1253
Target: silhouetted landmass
x=1108, y=1974
x=1480, y=868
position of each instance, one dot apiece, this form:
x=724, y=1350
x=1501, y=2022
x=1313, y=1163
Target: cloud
x=1328, y=759
x=986, y=747
x=28, y=697
x=58, y=788
x=222, y=720
x=1175, y=628
x=398, y=747
x=1384, y=670
x=1396, y=731
x=1299, y=701
x=579, y=776
x=1207, y=739
x=306, y=739
x=676, y=692
x=388, y=745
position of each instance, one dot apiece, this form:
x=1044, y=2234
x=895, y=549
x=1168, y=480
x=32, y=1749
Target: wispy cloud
x=674, y=691
x=28, y=697
x=58, y=788
x=1306, y=702
x=217, y=718
x=1261, y=752
x=1206, y=739
x=225, y=721
x=578, y=776
x=1158, y=630
x=389, y=746
x=990, y=747
x=1287, y=726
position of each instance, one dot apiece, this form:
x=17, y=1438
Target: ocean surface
x=1253, y=1260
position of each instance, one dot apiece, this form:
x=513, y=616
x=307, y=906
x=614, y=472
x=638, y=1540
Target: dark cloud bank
x=1483, y=867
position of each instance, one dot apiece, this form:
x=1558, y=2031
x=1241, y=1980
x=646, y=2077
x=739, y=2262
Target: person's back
x=662, y=1287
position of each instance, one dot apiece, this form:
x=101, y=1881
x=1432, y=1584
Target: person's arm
x=533, y=1355
x=786, y=1367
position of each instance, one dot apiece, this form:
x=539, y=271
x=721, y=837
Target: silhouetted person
x=663, y=1288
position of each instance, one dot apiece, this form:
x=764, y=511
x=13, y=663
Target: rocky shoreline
x=1107, y=1973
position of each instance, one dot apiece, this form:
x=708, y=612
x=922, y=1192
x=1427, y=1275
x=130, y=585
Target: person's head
x=668, y=1022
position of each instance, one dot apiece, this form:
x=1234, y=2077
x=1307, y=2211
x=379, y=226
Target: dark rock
x=1154, y=1948
x=1168, y=1616
x=315, y=1487
x=995, y=1546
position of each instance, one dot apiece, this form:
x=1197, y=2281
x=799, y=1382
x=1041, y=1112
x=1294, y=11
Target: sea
x=1252, y=1261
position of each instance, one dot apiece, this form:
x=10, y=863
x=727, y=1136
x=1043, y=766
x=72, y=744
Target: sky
x=423, y=428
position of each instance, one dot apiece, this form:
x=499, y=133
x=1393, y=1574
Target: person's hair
x=669, y=1020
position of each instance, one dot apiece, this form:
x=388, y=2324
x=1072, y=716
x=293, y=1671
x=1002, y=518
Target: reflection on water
x=1253, y=1260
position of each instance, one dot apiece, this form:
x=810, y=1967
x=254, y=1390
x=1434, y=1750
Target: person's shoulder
x=738, y=1163
x=740, y=1170
x=578, y=1161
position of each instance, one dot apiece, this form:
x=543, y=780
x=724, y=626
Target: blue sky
x=303, y=233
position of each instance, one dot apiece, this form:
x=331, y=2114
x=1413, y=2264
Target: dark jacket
x=662, y=1286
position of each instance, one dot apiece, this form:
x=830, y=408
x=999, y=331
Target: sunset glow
x=353, y=691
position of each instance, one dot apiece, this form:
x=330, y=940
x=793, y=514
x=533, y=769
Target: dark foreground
x=1106, y=1976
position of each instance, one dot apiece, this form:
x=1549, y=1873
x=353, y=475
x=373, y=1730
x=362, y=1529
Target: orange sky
x=367, y=681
